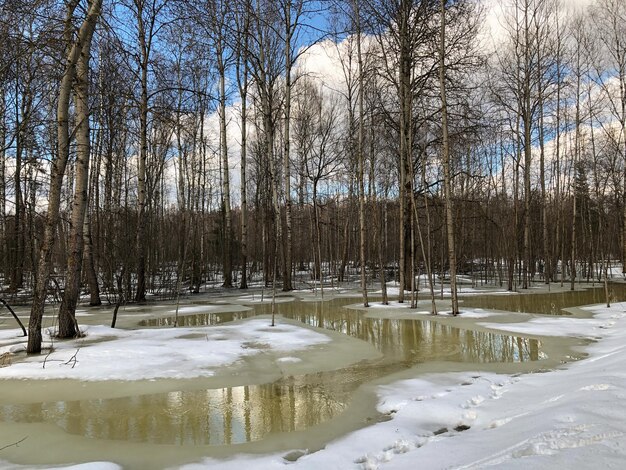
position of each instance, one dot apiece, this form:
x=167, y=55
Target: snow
x=559, y=326
x=175, y=353
x=194, y=309
x=463, y=288
x=266, y=299
x=289, y=359
x=423, y=308
x=572, y=417
x=92, y=466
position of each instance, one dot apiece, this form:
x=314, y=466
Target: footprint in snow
x=596, y=387
x=474, y=401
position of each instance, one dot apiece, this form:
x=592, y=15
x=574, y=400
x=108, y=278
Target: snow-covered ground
x=574, y=417
x=464, y=288
x=423, y=308
x=172, y=353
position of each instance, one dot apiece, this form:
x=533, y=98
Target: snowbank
x=423, y=308
x=176, y=353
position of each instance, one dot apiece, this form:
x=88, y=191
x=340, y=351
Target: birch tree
x=241, y=41
x=147, y=15
x=445, y=148
x=74, y=48
x=67, y=319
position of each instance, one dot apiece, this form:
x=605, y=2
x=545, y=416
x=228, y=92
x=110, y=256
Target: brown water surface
x=193, y=415
x=550, y=303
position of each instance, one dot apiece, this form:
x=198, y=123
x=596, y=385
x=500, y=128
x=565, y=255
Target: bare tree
x=609, y=19
x=67, y=319
x=266, y=65
x=360, y=143
x=147, y=15
x=316, y=132
x=242, y=45
x=446, y=161
x=74, y=48
x=219, y=16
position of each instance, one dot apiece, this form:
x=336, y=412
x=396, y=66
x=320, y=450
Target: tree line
x=151, y=146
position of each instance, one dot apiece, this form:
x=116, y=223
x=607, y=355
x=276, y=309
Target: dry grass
x=5, y=359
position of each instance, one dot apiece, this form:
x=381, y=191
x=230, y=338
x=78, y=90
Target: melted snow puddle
x=258, y=411
x=547, y=303
x=222, y=416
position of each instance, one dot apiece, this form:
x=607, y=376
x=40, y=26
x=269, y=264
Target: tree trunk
x=428, y=254
x=3, y=133
x=318, y=242
x=58, y=168
x=228, y=255
x=527, y=118
x=362, y=231
x=17, y=260
x=67, y=312
x=446, y=164
x=287, y=268
x=577, y=145
x=547, y=261
x=244, y=198
x=141, y=239
x=92, y=275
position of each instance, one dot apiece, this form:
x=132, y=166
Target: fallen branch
x=19, y=322
x=5, y=359
x=16, y=444
x=46, y=358
x=73, y=359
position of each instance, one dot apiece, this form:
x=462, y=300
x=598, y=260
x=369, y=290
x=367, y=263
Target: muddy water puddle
x=550, y=303
x=292, y=405
x=225, y=416
x=400, y=341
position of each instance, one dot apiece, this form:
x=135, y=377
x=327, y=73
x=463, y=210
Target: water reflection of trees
x=204, y=417
x=406, y=340
x=199, y=319
x=248, y=413
x=419, y=340
x=551, y=303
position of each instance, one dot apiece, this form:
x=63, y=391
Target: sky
x=321, y=61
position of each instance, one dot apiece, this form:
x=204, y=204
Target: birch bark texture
x=74, y=48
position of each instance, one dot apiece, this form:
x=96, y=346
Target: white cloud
x=496, y=12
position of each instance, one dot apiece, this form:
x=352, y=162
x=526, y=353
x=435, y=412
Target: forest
x=157, y=147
